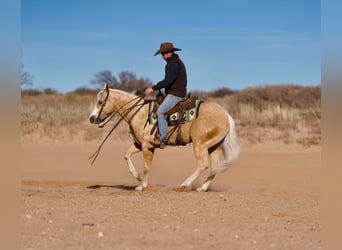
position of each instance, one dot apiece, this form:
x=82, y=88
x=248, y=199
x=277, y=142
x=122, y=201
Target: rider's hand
x=148, y=91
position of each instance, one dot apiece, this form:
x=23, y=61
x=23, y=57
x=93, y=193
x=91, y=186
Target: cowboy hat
x=165, y=47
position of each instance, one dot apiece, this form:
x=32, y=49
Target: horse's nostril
x=92, y=119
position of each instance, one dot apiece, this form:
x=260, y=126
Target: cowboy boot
x=157, y=142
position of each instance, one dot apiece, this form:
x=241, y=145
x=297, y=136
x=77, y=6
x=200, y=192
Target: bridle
x=102, y=106
x=125, y=113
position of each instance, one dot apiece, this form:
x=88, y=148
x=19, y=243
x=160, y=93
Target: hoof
x=182, y=189
x=139, y=177
x=200, y=189
x=139, y=188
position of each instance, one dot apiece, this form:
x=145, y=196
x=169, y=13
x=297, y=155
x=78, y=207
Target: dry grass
x=62, y=117
x=287, y=113
x=291, y=114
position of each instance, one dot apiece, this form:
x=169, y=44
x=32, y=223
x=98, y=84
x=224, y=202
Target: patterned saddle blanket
x=184, y=111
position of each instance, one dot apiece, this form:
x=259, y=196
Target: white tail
x=231, y=149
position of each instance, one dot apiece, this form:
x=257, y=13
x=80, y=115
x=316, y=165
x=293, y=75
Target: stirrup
x=158, y=143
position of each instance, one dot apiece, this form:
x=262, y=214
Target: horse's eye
x=100, y=102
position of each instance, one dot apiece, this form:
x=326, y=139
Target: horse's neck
x=123, y=102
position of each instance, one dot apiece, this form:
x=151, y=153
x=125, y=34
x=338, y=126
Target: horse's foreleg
x=148, y=156
x=132, y=150
x=202, y=156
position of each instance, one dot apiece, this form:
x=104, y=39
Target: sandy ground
x=269, y=199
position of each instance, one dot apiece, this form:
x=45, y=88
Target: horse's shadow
x=122, y=187
x=154, y=188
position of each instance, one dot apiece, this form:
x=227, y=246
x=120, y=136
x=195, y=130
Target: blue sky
x=225, y=43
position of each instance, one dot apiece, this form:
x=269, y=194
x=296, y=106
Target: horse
x=212, y=135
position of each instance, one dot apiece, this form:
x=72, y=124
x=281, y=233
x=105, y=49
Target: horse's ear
x=105, y=87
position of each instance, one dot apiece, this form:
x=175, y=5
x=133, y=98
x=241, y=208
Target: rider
x=174, y=82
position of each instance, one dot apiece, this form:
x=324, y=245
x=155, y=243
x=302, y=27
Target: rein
x=114, y=113
x=126, y=112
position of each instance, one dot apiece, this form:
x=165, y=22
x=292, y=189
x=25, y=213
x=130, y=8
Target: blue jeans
x=169, y=102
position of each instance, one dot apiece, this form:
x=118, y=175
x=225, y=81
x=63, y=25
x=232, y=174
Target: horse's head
x=101, y=109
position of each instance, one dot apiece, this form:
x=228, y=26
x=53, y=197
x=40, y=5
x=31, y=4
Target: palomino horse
x=212, y=135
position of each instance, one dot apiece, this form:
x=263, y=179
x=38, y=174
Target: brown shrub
x=282, y=111
x=283, y=95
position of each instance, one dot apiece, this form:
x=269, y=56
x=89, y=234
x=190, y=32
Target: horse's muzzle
x=94, y=119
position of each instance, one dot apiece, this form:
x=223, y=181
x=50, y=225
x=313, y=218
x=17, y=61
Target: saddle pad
x=189, y=115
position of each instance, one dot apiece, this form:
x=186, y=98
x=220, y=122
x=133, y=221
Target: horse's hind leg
x=132, y=150
x=202, y=157
x=214, y=161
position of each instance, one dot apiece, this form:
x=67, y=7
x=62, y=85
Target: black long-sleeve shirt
x=171, y=75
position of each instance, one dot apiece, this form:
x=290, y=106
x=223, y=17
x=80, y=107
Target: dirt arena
x=269, y=199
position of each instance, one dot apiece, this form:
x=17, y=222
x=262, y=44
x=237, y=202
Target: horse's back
x=212, y=114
